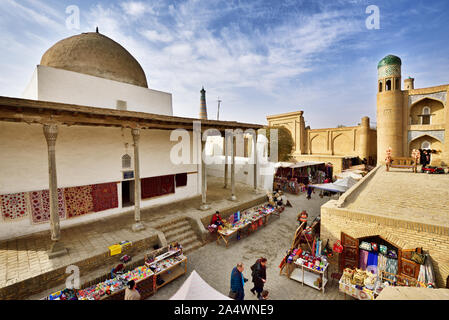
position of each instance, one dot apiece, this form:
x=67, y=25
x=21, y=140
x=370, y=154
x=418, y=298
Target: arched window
x=425, y=145
x=380, y=86
x=425, y=115
x=126, y=161
x=388, y=85
x=397, y=85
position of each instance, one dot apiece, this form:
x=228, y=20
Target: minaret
x=203, y=107
x=389, y=108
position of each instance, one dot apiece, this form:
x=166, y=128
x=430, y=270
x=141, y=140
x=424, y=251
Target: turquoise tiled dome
x=389, y=60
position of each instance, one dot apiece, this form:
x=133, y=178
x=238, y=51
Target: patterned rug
x=104, y=196
x=78, y=201
x=14, y=206
x=40, y=205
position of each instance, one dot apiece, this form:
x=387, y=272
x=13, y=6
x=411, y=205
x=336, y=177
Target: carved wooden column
x=255, y=161
x=137, y=226
x=204, y=205
x=233, y=197
x=57, y=248
x=225, y=148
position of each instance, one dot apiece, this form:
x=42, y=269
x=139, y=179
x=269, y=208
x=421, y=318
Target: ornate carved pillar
x=225, y=149
x=204, y=205
x=233, y=197
x=57, y=249
x=255, y=160
x=137, y=226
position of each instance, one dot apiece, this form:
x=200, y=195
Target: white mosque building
x=87, y=129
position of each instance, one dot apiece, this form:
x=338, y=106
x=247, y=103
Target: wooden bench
x=402, y=162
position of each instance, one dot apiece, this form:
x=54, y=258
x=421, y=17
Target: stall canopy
x=195, y=288
x=294, y=165
x=341, y=185
x=352, y=174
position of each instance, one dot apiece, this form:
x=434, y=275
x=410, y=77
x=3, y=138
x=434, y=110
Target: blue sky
x=259, y=57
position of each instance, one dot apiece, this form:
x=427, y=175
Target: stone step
x=178, y=231
x=170, y=225
x=185, y=242
x=182, y=237
x=192, y=246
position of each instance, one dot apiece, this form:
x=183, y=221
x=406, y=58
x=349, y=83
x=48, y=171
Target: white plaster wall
x=84, y=155
x=57, y=85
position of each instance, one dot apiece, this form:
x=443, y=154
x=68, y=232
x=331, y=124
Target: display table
x=257, y=216
x=307, y=275
x=166, y=266
x=353, y=291
x=114, y=289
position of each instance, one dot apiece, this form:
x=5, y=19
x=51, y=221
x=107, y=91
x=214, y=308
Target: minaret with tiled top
x=203, y=108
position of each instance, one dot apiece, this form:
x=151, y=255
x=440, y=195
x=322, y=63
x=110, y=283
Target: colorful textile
x=372, y=262
x=14, y=206
x=181, y=179
x=391, y=267
x=167, y=184
x=381, y=263
x=40, y=205
x=363, y=259
x=104, y=196
x=78, y=201
x=149, y=187
x=157, y=186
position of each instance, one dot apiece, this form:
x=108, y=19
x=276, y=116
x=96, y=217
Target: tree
x=285, y=142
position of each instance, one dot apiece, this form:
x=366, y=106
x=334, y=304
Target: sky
x=259, y=57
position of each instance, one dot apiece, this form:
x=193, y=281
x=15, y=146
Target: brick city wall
x=433, y=240
x=56, y=278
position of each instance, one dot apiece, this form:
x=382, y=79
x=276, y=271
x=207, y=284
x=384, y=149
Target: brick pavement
x=401, y=194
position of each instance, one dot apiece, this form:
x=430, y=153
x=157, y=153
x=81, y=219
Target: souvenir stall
x=307, y=260
x=294, y=177
x=161, y=267
x=370, y=264
x=110, y=289
x=167, y=263
x=249, y=221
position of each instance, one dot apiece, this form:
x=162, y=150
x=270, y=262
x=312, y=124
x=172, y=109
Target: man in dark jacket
x=259, y=275
x=238, y=281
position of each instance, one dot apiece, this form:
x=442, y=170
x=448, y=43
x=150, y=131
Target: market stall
x=294, y=177
x=168, y=264
x=246, y=222
x=161, y=267
x=371, y=263
x=340, y=186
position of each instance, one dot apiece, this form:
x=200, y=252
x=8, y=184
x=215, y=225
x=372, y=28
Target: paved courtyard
x=214, y=262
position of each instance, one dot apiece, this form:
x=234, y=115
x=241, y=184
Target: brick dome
x=97, y=55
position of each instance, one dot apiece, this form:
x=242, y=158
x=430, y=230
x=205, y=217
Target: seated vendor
x=216, y=219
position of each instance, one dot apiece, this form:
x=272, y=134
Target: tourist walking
x=259, y=275
x=309, y=192
x=131, y=292
x=237, y=282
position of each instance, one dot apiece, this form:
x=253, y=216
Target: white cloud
x=155, y=36
x=136, y=8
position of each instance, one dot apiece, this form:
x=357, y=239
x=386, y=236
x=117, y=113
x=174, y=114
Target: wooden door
x=406, y=266
x=350, y=255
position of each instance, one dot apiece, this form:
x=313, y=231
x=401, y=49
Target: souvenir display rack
x=162, y=266
x=251, y=219
x=311, y=271
x=167, y=264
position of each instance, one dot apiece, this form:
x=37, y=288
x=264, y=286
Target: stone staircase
x=180, y=230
